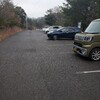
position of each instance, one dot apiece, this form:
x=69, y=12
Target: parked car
x=45, y=28
x=52, y=28
x=67, y=32
x=88, y=43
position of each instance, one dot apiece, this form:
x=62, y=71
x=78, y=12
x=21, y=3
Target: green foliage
x=1, y=21
x=54, y=16
x=72, y=12
x=36, y=22
x=40, y=22
x=11, y=15
x=98, y=7
x=50, y=19
x=29, y=23
x=22, y=15
x=81, y=10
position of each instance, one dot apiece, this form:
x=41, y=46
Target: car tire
x=95, y=54
x=55, y=37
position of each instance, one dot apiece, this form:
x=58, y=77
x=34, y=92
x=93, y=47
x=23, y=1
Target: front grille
x=78, y=44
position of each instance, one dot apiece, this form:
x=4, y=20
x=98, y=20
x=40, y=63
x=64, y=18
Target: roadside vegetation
x=74, y=11
x=12, y=19
x=70, y=14
x=11, y=15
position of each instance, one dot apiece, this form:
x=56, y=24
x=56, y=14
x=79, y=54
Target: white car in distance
x=45, y=28
x=51, y=28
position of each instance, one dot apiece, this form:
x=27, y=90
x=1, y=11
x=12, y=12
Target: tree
x=40, y=22
x=54, y=16
x=10, y=15
x=50, y=18
x=22, y=15
x=80, y=10
x=7, y=14
x=98, y=7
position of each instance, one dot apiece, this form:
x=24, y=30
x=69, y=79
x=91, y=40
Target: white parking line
x=88, y=72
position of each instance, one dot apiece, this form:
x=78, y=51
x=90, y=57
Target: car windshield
x=94, y=27
x=55, y=27
x=70, y=30
x=64, y=30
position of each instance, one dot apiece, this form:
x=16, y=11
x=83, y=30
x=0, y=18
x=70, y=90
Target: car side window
x=77, y=30
x=71, y=30
x=55, y=27
x=65, y=30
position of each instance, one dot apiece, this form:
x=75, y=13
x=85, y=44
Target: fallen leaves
x=9, y=32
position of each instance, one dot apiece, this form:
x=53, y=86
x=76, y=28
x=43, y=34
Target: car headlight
x=83, y=38
x=88, y=38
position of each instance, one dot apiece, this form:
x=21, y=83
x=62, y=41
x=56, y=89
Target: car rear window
x=56, y=27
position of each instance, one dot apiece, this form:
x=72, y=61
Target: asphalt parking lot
x=35, y=68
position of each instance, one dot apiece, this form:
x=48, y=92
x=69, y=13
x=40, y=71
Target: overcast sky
x=37, y=8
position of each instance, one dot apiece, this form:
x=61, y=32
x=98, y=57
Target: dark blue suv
x=66, y=32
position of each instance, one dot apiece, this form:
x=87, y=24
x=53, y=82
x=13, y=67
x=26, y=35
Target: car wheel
x=55, y=37
x=95, y=54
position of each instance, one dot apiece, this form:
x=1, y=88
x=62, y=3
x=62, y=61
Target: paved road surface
x=34, y=68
